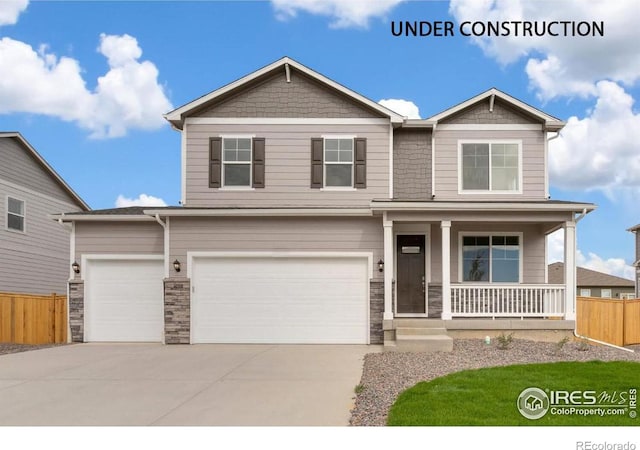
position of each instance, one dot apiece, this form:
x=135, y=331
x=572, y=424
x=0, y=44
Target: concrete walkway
x=151, y=384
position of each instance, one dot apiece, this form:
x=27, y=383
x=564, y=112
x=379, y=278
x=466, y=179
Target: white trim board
x=283, y=121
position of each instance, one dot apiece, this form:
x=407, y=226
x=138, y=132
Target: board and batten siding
x=447, y=164
x=287, y=166
x=21, y=169
x=118, y=238
x=327, y=234
x=37, y=261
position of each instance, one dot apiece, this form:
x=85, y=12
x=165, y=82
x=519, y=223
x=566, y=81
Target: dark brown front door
x=410, y=277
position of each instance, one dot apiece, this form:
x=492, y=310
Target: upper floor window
x=490, y=167
x=15, y=214
x=491, y=258
x=339, y=162
x=236, y=162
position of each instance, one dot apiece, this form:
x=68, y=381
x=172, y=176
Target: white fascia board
x=490, y=127
x=176, y=114
x=101, y=218
x=461, y=206
x=548, y=119
x=311, y=212
x=284, y=121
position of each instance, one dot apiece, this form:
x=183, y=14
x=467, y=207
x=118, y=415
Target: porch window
x=490, y=166
x=491, y=258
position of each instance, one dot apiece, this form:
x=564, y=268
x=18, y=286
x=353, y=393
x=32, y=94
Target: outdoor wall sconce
x=176, y=265
x=380, y=265
x=76, y=267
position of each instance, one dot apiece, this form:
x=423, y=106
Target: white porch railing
x=522, y=300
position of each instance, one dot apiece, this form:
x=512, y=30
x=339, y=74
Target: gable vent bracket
x=287, y=72
x=491, y=100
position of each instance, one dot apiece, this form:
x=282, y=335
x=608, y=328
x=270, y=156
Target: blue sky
x=87, y=83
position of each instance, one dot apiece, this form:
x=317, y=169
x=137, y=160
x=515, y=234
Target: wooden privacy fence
x=614, y=321
x=33, y=319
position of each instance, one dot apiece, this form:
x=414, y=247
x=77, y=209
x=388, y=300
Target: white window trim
x=490, y=234
x=602, y=291
x=24, y=214
x=250, y=163
x=518, y=142
x=583, y=291
x=324, y=163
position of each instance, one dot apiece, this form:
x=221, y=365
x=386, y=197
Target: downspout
x=72, y=251
x=166, y=245
x=575, y=329
x=433, y=160
x=546, y=163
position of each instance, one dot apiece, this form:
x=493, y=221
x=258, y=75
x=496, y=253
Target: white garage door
x=123, y=300
x=279, y=300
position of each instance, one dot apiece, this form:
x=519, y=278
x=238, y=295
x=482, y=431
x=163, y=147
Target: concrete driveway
x=152, y=384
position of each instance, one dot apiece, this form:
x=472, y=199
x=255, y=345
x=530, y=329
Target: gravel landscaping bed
x=6, y=348
x=387, y=374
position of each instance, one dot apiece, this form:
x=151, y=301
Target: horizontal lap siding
x=276, y=234
x=119, y=238
x=446, y=161
x=35, y=262
x=287, y=166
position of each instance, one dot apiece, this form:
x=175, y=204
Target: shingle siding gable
x=479, y=114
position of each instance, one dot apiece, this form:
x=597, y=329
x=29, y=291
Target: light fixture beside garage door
x=176, y=265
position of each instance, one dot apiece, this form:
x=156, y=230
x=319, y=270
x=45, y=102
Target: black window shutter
x=360, y=162
x=258, y=163
x=215, y=162
x=317, y=150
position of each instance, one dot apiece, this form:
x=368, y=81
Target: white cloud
x=127, y=97
x=344, y=14
x=10, y=10
x=403, y=107
x=569, y=65
x=142, y=200
x=612, y=266
x=601, y=151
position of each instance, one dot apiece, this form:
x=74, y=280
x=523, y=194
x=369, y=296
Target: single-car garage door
x=123, y=300
x=280, y=299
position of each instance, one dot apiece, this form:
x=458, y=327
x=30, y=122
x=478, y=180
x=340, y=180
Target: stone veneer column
x=76, y=310
x=376, y=310
x=177, y=310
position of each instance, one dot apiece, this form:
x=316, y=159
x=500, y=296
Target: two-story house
x=34, y=251
x=312, y=214
x=636, y=231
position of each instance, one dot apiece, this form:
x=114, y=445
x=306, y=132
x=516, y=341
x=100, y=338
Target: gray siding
x=37, y=261
x=533, y=249
x=412, y=164
x=479, y=113
x=20, y=168
x=615, y=291
x=287, y=166
x=275, y=234
x=446, y=164
x=118, y=238
x=274, y=97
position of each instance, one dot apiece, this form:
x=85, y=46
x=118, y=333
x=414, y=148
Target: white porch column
x=570, y=269
x=389, y=264
x=445, y=226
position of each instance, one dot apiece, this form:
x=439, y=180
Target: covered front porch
x=467, y=261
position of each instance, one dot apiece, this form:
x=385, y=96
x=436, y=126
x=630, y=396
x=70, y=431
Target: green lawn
x=490, y=396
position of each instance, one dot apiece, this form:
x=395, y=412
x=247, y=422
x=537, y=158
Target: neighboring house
x=311, y=214
x=591, y=283
x=34, y=251
x=636, y=230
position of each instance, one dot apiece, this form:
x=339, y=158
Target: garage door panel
x=124, y=300
x=280, y=300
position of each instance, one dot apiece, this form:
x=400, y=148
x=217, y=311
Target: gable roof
x=587, y=277
x=177, y=116
x=47, y=168
x=551, y=123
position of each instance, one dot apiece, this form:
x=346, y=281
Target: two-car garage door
x=279, y=299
